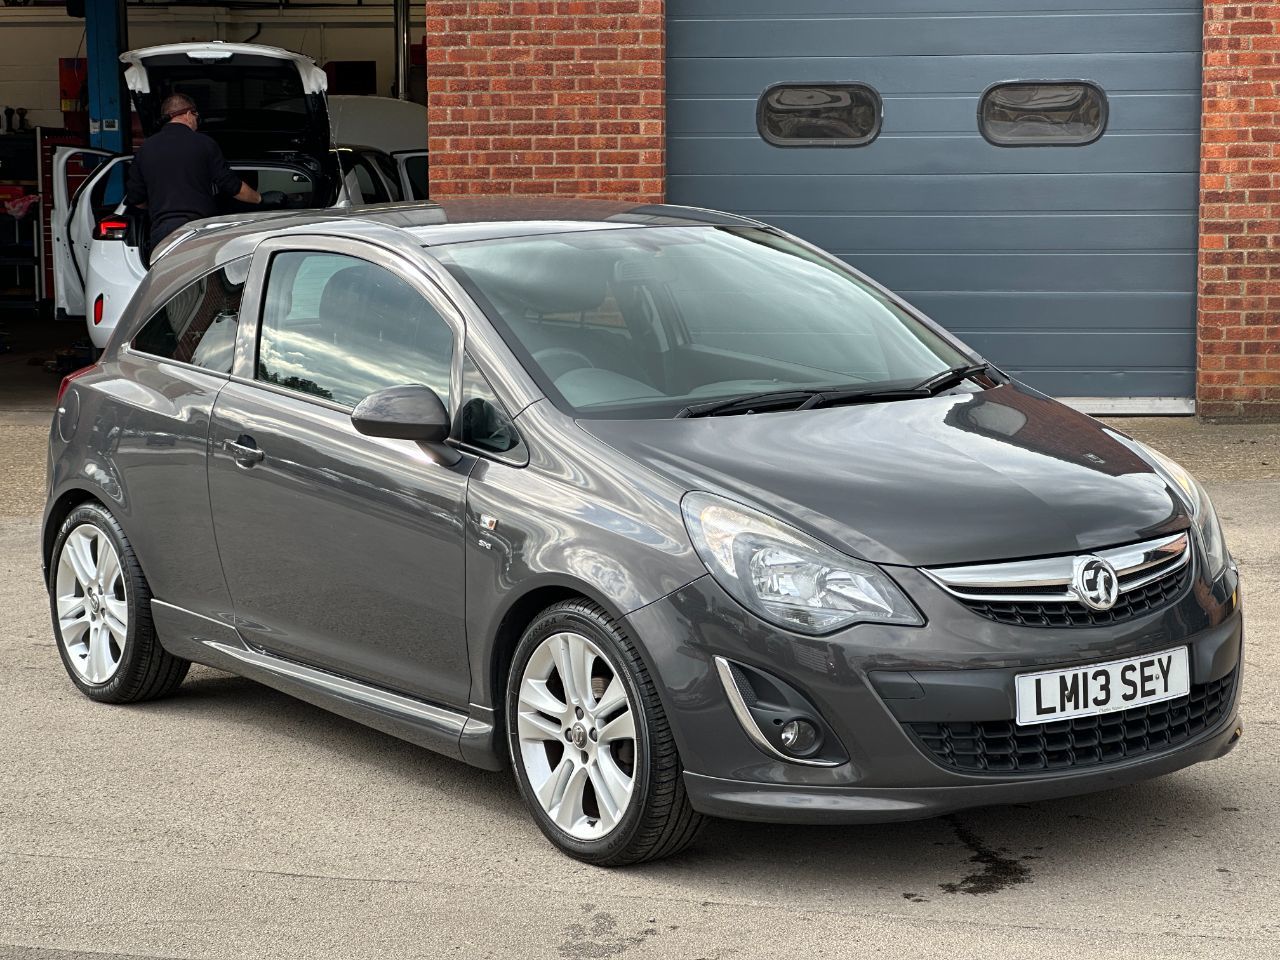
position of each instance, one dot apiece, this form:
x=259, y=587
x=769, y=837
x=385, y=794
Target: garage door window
x=1042, y=114
x=819, y=115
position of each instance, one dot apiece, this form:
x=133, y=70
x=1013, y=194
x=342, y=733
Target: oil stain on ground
x=996, y=872
x=599, y=937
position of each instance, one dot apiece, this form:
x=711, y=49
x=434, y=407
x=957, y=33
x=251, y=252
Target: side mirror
x=408, y=412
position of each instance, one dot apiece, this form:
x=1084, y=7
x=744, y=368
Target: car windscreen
x=642, y=322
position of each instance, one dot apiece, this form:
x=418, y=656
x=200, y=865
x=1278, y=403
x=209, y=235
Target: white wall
x=33, y=38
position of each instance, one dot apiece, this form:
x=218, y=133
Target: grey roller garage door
x=1071, y=266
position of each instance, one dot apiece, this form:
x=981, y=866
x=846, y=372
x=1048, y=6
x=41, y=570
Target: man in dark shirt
x=177, y=174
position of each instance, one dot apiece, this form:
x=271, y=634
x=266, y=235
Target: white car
x=266, y=107
x=371, y=175
x=395, y=129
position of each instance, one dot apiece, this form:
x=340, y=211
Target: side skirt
x=217, y=644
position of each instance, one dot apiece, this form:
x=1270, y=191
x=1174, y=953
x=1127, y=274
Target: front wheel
x=590, y=744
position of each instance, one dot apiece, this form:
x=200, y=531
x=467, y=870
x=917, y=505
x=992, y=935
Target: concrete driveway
x=230, y=821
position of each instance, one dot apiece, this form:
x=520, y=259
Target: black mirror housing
x=407, y=412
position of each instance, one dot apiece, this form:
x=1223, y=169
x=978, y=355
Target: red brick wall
x=1239, y=308
x=544, y=97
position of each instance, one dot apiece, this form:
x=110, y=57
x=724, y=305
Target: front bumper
x=778, y=803
x=869, y=683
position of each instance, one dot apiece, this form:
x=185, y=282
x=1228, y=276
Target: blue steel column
x=106, y=34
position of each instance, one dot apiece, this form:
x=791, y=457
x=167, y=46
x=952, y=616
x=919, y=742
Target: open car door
x=74, y=168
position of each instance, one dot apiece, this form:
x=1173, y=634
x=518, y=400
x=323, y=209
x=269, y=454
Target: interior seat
x=553, y=283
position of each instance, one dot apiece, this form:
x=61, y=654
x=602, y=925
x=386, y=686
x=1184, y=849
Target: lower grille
x=1001, y=746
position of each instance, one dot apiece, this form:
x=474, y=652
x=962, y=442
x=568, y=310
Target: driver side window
x=340, y=328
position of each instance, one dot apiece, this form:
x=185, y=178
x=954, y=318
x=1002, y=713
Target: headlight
x=1201, y=508
x=786, y=577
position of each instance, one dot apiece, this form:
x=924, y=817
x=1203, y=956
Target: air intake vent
x=1003, y=747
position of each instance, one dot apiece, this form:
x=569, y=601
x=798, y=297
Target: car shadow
x=222, y=697
x=976, y=852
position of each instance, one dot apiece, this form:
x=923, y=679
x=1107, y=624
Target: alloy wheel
x=92, y=604
x=577, y=735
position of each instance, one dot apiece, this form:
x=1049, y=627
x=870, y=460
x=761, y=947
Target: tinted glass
x=108, y=191
x=361, y=178
x=237, y=96
x=198, y=324
x=296, y=185
x=641, y=322
x=826, y=114
x=340, y=328
x=485, y=423
x=390, y=172
x=416, y=167
x=1043, y=114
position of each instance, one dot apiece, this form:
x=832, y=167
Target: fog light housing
x=777, y=718
x=799, y=737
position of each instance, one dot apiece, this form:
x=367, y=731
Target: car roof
x=456, y=220
x=206, y=245
x=218, y=240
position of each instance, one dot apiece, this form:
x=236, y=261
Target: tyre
x=590, y=743
x=101, y=607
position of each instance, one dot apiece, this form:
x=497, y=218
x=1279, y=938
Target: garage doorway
x=1026, y=174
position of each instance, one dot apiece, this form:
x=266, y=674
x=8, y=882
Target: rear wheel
x=590, y=743
x=101, y=608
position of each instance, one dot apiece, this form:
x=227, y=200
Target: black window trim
x=770, y=139
x=517, y=456
x=1102, y=127
x=128, y=347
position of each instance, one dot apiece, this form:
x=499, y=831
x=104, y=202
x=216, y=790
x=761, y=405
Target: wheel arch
x=515, y=619
x=56, y=515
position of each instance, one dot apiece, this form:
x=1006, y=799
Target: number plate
x=1102, y=687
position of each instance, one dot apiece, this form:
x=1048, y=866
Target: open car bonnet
x=253, y=99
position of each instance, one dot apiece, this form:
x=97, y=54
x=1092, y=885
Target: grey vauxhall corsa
x=670, y=511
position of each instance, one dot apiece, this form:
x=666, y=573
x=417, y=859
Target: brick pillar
x=1239, y=282
x=544, y=97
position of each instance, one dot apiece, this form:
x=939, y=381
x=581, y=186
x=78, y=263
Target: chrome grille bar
x=1049, y=579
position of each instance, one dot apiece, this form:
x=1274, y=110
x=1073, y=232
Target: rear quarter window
x=198, y=324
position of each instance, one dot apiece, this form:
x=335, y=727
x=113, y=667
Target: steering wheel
x=557, y=361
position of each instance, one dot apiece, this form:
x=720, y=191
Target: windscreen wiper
x=745, y=404
x=803, y=399
x=829, y=398
x=949, y=378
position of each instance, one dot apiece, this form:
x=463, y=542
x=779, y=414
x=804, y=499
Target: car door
x=153, y=438
x=76, y=173
x=342, y=551
x=413, y=173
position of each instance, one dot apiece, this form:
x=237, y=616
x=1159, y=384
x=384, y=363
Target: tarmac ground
x=230, y=821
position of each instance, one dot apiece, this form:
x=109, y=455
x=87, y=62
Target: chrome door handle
x=244, y=454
